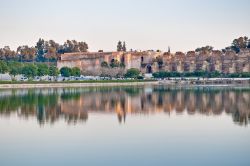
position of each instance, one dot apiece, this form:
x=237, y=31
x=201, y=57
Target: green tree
x=53, y=71
x=206, y=49
x=29, y=70
x=119, y=46
x=51, y=50
x=175, y=74
x=124, y=47
x=233, y=75
x=132, y=73
x=239, y=43
x=47, y=50
x=164, y=74
x=156, y=75
x=7, y=54
x=74, y=46
x=245, y=75
x=15, y=68
x=51, y=54
x=214, y=74
x=83, y=47
x=201, y=73
x=65, y=71
x=3, y=67
x=2, y=54
x=42, y=69
x=122, y=65
x=27, y=53
x=40, y=46
x=75, y=71
x=68, y=46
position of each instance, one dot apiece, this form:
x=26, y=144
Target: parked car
x=60, y=78
x=24, y=79
x=37, y=78
x=72, y=78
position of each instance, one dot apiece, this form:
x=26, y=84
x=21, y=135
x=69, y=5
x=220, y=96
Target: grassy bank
x=70, y=82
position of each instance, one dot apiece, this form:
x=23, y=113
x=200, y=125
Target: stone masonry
x=152, y=61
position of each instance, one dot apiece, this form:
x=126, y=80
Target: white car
x=37, y=79
x=59, y=79
x=24, y=79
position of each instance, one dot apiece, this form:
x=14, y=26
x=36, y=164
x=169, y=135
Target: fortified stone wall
x=150, y=61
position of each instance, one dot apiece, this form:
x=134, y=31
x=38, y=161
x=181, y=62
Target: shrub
x=200, y=73
x=233, y=75
x=132, y=73
x=104, y=64
x=115, y=63
x=245, y=75
x=65, y=71
x=140, y=77
x=122, y=65
x=75, y=71
x=214, y=74
x=164, y=74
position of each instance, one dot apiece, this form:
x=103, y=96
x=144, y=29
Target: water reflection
x=74, y=105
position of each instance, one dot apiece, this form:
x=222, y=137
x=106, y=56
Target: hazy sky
x=143, y=24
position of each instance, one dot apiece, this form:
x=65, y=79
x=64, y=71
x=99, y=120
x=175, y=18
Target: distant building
x=154, y=61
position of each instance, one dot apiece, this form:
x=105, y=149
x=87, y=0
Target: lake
x=146, y=125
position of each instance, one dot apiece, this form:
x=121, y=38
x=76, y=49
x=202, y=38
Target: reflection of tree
x=70, y=96
x=40, y=103
x=132, y=91
x=73, y=105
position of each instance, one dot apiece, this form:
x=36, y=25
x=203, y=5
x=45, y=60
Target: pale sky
x=144, y=24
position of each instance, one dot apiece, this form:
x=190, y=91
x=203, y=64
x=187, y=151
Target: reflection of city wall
x=74, y=105
x=207, y=102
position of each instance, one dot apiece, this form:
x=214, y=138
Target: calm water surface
x=125, y=126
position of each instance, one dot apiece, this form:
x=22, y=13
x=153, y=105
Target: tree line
x=237, y=45
x=43, y=51
x=50, y=50
x=27, y=69
x=201, y=73
x=30, y=70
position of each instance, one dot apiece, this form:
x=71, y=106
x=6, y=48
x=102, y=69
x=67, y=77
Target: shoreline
x=110, y=84
x=74, y=85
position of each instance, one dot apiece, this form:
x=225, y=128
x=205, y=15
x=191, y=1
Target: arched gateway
x=149, y=69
